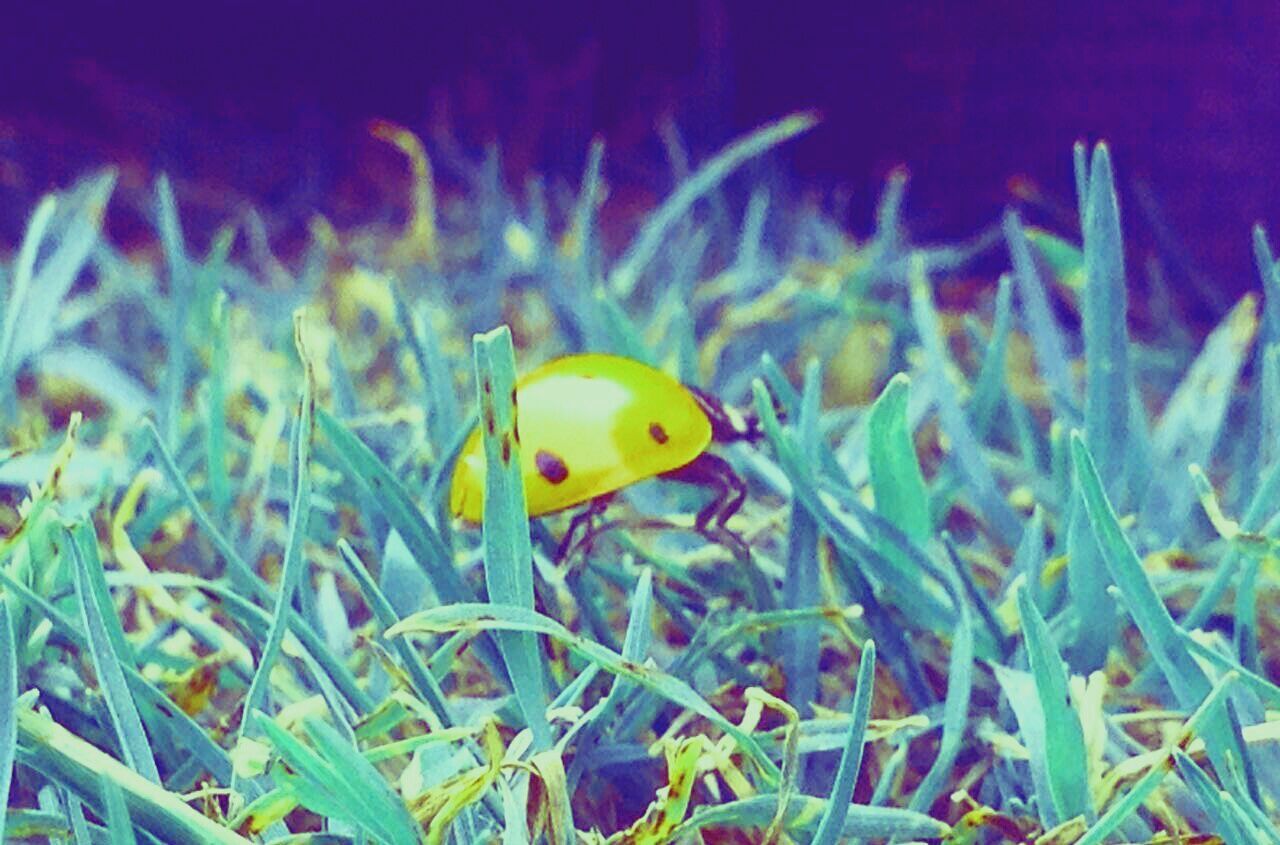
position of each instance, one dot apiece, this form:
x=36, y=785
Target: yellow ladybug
x=589, y=425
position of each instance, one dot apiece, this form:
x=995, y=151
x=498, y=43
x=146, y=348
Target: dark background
x=270, y=102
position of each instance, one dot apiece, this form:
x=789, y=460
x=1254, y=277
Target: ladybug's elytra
x=592, y=424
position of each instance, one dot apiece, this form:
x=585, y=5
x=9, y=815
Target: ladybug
x=591, y=424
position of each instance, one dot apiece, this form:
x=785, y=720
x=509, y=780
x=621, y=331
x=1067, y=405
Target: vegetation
x=1012, y=572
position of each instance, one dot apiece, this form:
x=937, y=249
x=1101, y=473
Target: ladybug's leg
x=711, y=470
x=583, y=522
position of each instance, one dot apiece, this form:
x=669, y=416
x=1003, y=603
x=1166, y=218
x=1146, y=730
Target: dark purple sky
x=967, y=96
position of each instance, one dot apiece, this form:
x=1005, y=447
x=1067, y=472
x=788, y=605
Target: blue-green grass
x=979, y=601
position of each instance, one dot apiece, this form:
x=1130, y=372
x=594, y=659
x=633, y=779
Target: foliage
x=979, y=602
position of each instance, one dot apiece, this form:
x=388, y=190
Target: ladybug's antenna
x=728, y=424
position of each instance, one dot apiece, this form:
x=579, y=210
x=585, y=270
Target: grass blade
x=23, y=272
x=1116, y=814
x=1188, y=681
x=955, y=710
x=860, y=824
x=1192, y=420
x=181, y=291
x=966, y=448
x=1046, y=335
x=508, y=551
x=1106, y=335
x=832, y=825
x=625, y=276
x=1211, y=800
x=8, y=706
x=299, y=513
x=425, y=685
x=1064, y=750
x=119, y=827
x=481, y=617
x=800, y=584
x=109, y=653
x=51, y=749
x=896, y=480
x=988, y=388
x=1270, y=275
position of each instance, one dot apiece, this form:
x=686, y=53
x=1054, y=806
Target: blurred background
x=269, y=103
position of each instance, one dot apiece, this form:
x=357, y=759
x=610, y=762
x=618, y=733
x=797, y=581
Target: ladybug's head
x=728, y=424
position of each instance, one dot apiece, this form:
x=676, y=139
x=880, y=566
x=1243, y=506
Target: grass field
x=1010, y=571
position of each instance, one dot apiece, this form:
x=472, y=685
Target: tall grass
x=1005, y=580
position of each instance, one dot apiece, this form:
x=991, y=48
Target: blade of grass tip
x=955, y=709
x=107, y=664
x=888, y=232
x=504, y=617
x=988, y=388
x=8, y=705
x=181, y=287
x=1080, y=168
x=508, y=551
x=299, y=512
x=78, y=232
x=119, y=826
x=1270, y=275
x=1192, y=421
x=626, y=274
x=23, y=271
x=1046, y=336
x=1187, y=679
x=1104, y=309
x=1269, y=410
x=897, y=483
x=749, y=239
x=1064, y=749
x=965, y=447
x=831, y=826
x=1028, y=558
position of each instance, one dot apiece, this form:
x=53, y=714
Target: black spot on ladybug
x=658, y=433
x=486, y=387
x=489, y=422
x=513, y=397
x=506, y=449
x=550, y=466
